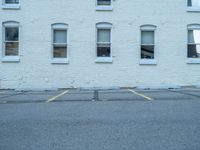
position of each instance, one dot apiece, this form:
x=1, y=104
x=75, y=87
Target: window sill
x=104, y=60
x=193, y=9
x=10, y=59
x=11, y=6
x=104, y=8
x=193, y=61
x=60, y=61
x=148, y=62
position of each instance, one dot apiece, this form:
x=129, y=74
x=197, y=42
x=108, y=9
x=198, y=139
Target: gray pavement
x=125, y=119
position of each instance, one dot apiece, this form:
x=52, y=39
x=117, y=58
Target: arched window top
x=11, y=23
x=194, y=26
x=59, y=26
x=148, y=27
x=104, y=25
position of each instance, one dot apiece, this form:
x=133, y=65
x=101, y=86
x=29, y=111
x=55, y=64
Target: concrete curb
x=100, y=88
x=163, y=87
x=35, y=89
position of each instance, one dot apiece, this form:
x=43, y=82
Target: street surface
x=124, y=119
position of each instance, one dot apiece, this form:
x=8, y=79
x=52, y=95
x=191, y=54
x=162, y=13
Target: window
x=104, y=5
x=11, y=4
x=147, y=44
x=59, y=43
x=194, y=41
x=193, y=5
x=103, y=43
x=11, y=40
x=103, y=40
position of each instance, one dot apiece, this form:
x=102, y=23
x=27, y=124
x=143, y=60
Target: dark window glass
x=194, y=43
x=194, y=50
x=103, y=2
x=147, y=45
x=11, y=41
x=103, y=50
x=103, y=43
x=147, y=52
x=60, y=43
x=12, y=34
x=11, y=48
x=60, y=52
x=60, y=36
x=12, y=1
x=189, y=2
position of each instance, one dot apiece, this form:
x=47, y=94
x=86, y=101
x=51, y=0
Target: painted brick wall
x=36, y=71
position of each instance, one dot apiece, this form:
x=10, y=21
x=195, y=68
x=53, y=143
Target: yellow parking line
x=141, y=95
x=57, y=96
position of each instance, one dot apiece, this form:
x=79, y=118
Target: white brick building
x=99, y=43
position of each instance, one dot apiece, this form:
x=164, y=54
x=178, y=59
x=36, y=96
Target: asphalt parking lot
x=120, y=119
x=70, y=95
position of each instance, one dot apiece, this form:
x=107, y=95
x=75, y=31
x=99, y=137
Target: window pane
x=147, y=52
x=103, y=2
x=103, y=35
x=103, y=50
x=60, y=36
x=190, y=36
x=194, y=51
x=195, y=3
x=189, y=2
x=60, y=52
x=147, y=37
x=11, y=1
x=12, y=34
x=194, y=36
x=11, y=48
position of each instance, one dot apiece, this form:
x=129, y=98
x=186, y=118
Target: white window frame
x=192, y=8
x=104, y=8
x=59, y=26
x=148, y=27
x=192, y=27
x=103, y=25
x=10, y=58
x=10, y=6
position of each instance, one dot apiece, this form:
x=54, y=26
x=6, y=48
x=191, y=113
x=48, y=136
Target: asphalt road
x=100, y=120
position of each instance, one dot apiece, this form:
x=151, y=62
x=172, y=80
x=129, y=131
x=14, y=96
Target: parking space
x=4, y=93
x=167, y=95
x=119, y=95
x=195, y=92
x=73, y=95
x=76, y=95
x=25, y=97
